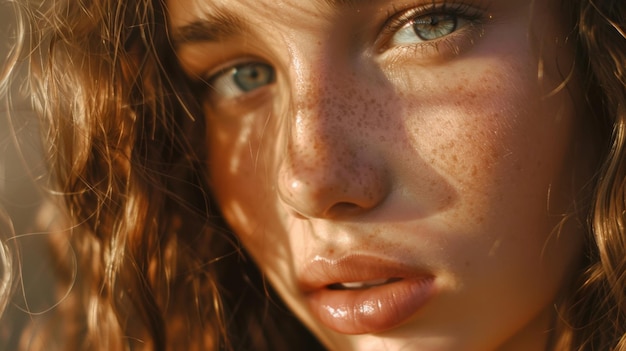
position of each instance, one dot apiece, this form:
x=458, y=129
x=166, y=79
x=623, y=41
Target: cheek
x=244, y=152
x=476, y=127
x=506, y=151
x=235, y=164
x=489, y=131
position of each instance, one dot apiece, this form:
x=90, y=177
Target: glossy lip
x=369, y=310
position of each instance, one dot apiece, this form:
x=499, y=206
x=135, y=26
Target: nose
x=331, y=169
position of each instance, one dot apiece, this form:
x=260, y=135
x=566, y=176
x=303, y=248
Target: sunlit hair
x=156, y=268
x=596, y=315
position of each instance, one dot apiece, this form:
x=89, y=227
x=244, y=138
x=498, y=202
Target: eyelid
x=228, y=65
x=474, y=14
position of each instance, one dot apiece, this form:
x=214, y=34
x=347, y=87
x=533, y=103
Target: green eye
x=241, y=79
x=252, y=76
x=427, y=28
x=434, y=26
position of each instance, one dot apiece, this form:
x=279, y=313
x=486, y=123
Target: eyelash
x=400, y=19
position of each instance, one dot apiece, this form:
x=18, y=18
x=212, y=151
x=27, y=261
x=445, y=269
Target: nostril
x=340, y=209
x=333, y=188
x=345, y=206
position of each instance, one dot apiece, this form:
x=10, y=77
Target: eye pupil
x=434, y=26
x=252, y=76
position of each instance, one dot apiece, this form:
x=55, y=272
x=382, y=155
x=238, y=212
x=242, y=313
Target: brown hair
x=596, y=315
x=156, y=266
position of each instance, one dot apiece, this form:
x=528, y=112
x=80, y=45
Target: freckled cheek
x=468, y=126
x=476, y=130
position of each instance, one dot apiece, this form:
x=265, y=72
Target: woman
x=407, y=175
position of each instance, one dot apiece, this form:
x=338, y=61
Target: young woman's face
x=404, y=172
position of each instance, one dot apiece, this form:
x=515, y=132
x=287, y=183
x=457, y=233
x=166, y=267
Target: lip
x=369, y=310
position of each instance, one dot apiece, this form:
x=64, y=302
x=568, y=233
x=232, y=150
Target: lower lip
x=371, y=310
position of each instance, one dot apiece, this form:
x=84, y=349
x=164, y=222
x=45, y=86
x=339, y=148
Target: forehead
x=227, y=16
x=197, y=21
x=184, y=11
x=180, y=9
x=230, y=15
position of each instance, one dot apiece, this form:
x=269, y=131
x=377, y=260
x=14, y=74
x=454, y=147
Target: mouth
x=359, y=295
x=362, y=285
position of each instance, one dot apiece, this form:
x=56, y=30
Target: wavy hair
x=156, y=267
x=595, y=317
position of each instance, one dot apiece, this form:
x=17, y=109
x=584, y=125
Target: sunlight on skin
x=371, y=157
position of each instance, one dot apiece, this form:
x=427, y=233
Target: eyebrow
x=213, y=27
x=222, y=25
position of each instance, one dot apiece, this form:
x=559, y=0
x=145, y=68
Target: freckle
x=467, y=263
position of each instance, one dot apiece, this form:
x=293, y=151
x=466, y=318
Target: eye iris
x=434, y=26
x=252, y=76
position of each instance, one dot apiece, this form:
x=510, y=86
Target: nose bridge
x=326, y=170
x=319, y=103
x=318, y=115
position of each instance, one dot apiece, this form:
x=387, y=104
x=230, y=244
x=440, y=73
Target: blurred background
x=22, y=173
x=21, y=164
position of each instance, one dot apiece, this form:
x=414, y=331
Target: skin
x=463, y=158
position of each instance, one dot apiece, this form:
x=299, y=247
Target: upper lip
x=322, y=272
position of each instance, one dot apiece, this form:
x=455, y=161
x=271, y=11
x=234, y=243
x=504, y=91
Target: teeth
x=361, y=285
